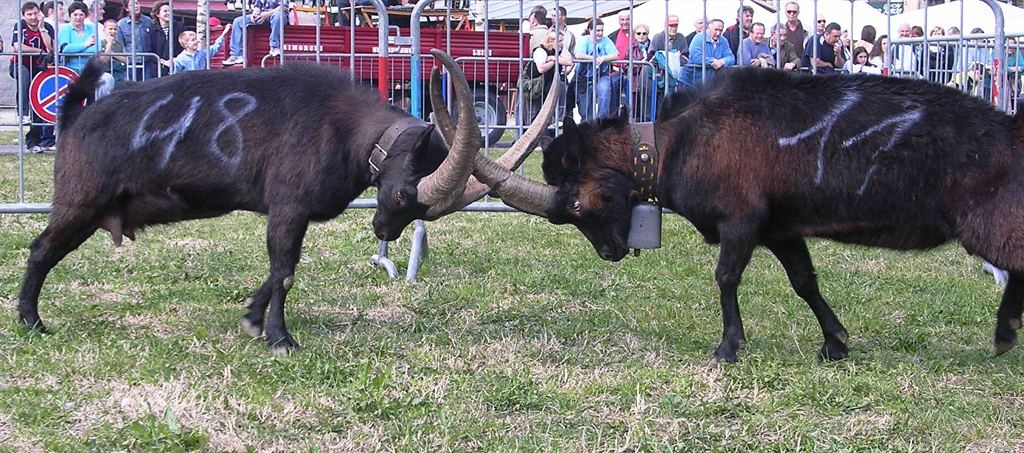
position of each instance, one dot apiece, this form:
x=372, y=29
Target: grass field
x=515, y=337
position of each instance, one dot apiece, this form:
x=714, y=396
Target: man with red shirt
x=34, y=39
x=621, y=39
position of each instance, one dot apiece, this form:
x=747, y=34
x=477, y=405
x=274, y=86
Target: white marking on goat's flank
x=178, y=129
x=826, y=124
x=902, y=122
x=231, y=120
x=912, y=117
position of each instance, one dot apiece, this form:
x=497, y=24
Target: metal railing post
x=999, y=97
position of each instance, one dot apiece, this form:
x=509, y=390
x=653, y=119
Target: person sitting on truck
x=273, y=12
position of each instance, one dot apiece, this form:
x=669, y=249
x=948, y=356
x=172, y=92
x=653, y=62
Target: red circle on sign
x=48, y=87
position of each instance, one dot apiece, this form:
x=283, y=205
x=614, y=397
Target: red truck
x=494, y=83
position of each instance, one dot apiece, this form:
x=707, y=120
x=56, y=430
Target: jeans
x=106, y=85
x=570, y=98
x=585, y=98
x=238, y=29
x=37, y=135
x=532, y=107
x=617, y=83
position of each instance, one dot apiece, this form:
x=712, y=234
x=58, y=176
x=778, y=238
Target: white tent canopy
x=976, y=14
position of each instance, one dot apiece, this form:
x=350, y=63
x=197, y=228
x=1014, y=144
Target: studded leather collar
x=382, y=149
x=645, y=160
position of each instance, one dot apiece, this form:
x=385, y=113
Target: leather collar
x=645, y=163
x=382, y=149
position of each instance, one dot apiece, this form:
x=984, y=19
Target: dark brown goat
x=292, y=142
x=766, y=158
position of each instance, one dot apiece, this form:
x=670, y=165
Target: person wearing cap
x=670, y=39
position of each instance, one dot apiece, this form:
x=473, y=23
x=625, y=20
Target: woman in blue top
x=80, y=37
x=77, y=36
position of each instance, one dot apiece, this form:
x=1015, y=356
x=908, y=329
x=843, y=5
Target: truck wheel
x=490, y=110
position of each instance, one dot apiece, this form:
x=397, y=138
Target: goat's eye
x=399, y=198
x=576, y=207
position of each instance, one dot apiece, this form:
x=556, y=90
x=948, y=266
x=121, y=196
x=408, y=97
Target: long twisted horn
x=482, y=181
x=442, y=118
x=442, y=188
x=520, y=192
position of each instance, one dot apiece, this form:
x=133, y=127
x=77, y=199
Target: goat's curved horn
x=442, y=118
x=516, y=190
x=442, y=188
x=482, y=181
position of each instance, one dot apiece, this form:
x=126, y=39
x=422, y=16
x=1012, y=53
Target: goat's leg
x=795, y=258
x=285, y=231
x=1009, y=313
x=252, y=322
x=67, y=230
x=738, y=242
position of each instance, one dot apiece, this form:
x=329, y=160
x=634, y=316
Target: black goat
x=297, y=142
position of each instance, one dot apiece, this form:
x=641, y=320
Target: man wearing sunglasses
x=829, y=51
x=795, y=32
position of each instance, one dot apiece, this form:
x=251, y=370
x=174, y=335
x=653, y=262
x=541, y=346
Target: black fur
x=82, y=89
x=744, y=161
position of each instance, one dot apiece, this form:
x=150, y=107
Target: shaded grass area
x=515, y=337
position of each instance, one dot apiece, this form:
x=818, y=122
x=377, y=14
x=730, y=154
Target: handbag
x=531, y=88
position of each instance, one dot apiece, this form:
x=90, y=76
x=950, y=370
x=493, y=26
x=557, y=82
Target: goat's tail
x=82, y=89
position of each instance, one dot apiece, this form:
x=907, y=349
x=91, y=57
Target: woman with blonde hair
x=539, y=74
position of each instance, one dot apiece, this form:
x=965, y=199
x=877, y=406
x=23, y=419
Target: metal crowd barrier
x=402, y=84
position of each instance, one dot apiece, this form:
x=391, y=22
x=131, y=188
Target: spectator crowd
x=629, y=67
x=134, y=47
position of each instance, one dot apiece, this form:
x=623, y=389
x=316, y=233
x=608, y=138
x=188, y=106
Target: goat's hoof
x=1006, y=337
x=250, y=328
x=725, y=352
x=283, y=346
x=1002, y=347
x=713, y=363
x=34, y=325
x=833, y=351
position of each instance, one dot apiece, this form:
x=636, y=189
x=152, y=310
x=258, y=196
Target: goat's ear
x=562, y=157
x=421, y=158
x=623, y=112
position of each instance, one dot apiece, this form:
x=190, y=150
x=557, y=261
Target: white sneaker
x=231, y=61
x=35, y=149
x=274, y=51
x=26, y=120
x=231, y=5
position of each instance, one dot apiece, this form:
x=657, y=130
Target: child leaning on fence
x=192, y=58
